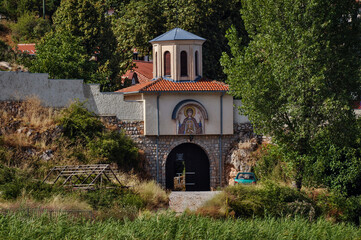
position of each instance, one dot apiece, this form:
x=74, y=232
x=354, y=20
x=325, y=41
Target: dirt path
x=180, y=201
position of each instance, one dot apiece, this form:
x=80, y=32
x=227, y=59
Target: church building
x=189, y=122
x=185, y=124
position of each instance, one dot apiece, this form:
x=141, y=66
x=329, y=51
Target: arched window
x=196, y=62
x=183, y=60
x=167, y=63
x=156, y=65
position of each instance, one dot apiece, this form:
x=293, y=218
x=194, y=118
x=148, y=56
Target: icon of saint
x=190, y=126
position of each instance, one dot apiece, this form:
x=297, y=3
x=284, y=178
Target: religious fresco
x=190, y=120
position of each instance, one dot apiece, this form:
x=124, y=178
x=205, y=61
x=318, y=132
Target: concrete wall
x=61, y=92
x=167, y=102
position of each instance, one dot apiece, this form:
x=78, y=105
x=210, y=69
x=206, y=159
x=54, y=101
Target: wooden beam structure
x=83, y=176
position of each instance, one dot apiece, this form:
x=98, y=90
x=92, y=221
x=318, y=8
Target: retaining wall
x=60, y=92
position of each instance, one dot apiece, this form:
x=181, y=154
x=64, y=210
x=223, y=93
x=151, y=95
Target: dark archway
x=191, y=160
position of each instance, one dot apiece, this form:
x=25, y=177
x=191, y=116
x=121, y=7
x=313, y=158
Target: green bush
x=338, y=168
x=6, y=52
x=115, y=147
x=269, y=199
x=29, y=28
x=270, y=164
x=12, y=183
x=106, y=146
x=79, y=123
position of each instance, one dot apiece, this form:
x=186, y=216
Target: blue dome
x=177, y=34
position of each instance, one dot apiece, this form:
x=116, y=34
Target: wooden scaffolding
x=84, y=176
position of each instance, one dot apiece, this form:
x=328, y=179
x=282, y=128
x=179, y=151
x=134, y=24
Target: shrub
x=115, y=147
x=270, y=163
x=338, y=168
x=29, y=28
x=6, y=52
x=269, y=199
x=152, y=194
x=79, y=123
x=12, y=183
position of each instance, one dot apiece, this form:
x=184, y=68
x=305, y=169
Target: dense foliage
x=29, y=28
x=6, y=53
x=13, y=9
x=270, y=164
x=107, y=146
x=79, y=123
x=298, y=74
x=61, y=55
x=86, y=20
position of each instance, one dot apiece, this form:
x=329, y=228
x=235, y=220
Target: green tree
x=62, y=56
x=298, y=74
x=29, y=28
x=143, y=20
x=14, y=9
x=86, y=20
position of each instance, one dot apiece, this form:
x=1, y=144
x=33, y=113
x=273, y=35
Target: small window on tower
x=184, y=70
x=196, y=63
x=156, y=65
x=167, y=63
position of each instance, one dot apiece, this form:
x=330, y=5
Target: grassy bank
x=168, y=226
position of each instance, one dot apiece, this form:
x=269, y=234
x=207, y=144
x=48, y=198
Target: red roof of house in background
x=143, y=69
x=164, y=85
x=357, y=105
x=27, y=48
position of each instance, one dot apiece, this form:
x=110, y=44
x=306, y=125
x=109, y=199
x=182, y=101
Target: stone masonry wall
x=209, y=143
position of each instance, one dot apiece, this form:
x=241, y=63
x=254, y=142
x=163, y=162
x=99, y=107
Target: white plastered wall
x=168, y=101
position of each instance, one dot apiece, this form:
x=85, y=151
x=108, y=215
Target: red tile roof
x=357, y=105
x=164, y=85
x=27, y=48
x=143, y=69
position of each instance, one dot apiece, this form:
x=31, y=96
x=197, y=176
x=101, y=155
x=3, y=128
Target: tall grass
x=168, y=226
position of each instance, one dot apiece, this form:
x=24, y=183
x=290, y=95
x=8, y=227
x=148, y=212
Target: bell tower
x=177, y=55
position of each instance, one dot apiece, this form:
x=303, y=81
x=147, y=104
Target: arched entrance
x=188, y=160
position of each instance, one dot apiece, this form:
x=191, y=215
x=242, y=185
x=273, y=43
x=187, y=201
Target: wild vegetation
x=36, y=138
x=297, y=77
x=169, y=226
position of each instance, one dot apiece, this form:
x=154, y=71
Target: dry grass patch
x=153, y=195
x=217, y=207
x=35, y=115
